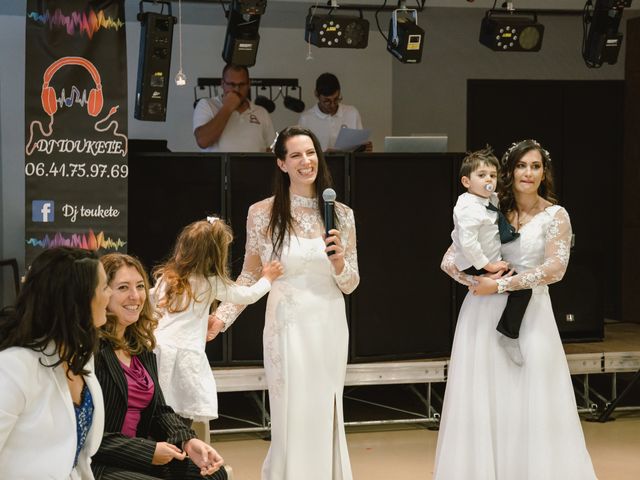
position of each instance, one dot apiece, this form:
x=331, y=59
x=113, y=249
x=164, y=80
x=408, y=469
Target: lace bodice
x=308, y=224
x=540, y=255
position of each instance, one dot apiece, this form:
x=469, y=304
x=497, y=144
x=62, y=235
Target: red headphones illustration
x=49, y=97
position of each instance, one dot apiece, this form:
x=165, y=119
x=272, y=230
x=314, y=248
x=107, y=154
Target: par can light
x=511, y=32
x=336, y=31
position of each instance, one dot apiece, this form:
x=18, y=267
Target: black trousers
x=174, y=470
x=513, y=313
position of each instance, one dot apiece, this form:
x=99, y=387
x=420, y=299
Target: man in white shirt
x=231, y=122
x=329, y=115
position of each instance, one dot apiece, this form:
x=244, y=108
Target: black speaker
x=403, y=306
x=166, y=193
x=242, y=38
x=578, y=300
x=249, y=182
x=154, y=65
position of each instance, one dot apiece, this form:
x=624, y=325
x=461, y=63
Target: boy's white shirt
x=475, y=232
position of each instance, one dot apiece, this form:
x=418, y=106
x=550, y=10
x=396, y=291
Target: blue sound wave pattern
x=74, y=97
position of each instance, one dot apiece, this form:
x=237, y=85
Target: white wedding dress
x=502, y=421
x=305, y=341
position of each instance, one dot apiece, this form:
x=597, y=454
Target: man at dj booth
x=329, y=115
x=231, y=122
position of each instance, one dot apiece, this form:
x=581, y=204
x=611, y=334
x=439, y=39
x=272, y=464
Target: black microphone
x=329, y=197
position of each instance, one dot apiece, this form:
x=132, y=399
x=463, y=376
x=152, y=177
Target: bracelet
x=502, y=285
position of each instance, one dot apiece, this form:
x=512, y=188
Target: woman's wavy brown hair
x=201, y=250
x=138, y=337
x=509, y=161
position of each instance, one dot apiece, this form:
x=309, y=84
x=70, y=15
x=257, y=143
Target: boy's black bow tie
x=507, y=231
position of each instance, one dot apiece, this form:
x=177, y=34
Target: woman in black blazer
x=143, y=438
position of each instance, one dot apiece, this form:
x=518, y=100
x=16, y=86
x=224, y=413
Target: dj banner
x=75, y=125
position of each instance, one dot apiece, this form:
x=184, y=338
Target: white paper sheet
x=351, y=138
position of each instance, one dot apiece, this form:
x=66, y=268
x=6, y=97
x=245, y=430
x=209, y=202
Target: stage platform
x=618, y=353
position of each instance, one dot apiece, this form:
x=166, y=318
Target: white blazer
x=38, y=435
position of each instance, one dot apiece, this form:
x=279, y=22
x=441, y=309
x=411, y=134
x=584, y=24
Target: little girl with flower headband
x=186, y=287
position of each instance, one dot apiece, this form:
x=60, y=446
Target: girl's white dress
x=183, y=368
x=502, y=421
x=305, y=342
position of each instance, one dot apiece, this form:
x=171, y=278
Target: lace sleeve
x=556, y=257
x=449, y=267
x=252, y=266
x=349, y=278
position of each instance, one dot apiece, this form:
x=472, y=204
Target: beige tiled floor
x=407, y=454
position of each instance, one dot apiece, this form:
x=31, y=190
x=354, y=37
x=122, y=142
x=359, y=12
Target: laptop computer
x=436, y=143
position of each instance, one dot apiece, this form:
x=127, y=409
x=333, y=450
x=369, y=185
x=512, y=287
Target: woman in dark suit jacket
x=143, y=438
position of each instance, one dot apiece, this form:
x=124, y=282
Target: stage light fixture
x=154, y=63
x=336, y=31
x=259, y=86
x=406, y=39
x=507, y=31
x=242, y=37
x=250, y=7
x=265, y=101
x=601, y=39
x=292, y=103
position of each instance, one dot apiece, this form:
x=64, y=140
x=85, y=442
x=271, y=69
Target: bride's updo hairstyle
x=508, y=165
x=281, y=222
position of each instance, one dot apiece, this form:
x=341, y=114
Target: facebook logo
x=43, y=211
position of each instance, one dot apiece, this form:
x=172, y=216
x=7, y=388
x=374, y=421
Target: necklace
x=526, y=216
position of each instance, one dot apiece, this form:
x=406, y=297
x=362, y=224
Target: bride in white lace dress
x=501, y=420
x=305, y=336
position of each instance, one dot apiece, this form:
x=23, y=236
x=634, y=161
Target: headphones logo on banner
x=94, y=103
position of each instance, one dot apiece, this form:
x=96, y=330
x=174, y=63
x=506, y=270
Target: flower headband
x=535, y=143
x=212, y=220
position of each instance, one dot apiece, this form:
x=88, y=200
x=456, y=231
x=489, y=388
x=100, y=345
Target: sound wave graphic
x=88, y=241
x=77, y=23
x=75, y=97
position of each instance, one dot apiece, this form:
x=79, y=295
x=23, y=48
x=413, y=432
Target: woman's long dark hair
x=509, y=161
x=54, y=305
x=281, y=222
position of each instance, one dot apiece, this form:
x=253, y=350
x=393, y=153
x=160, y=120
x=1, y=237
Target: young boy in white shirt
x=476, y=235
x=479, y=230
